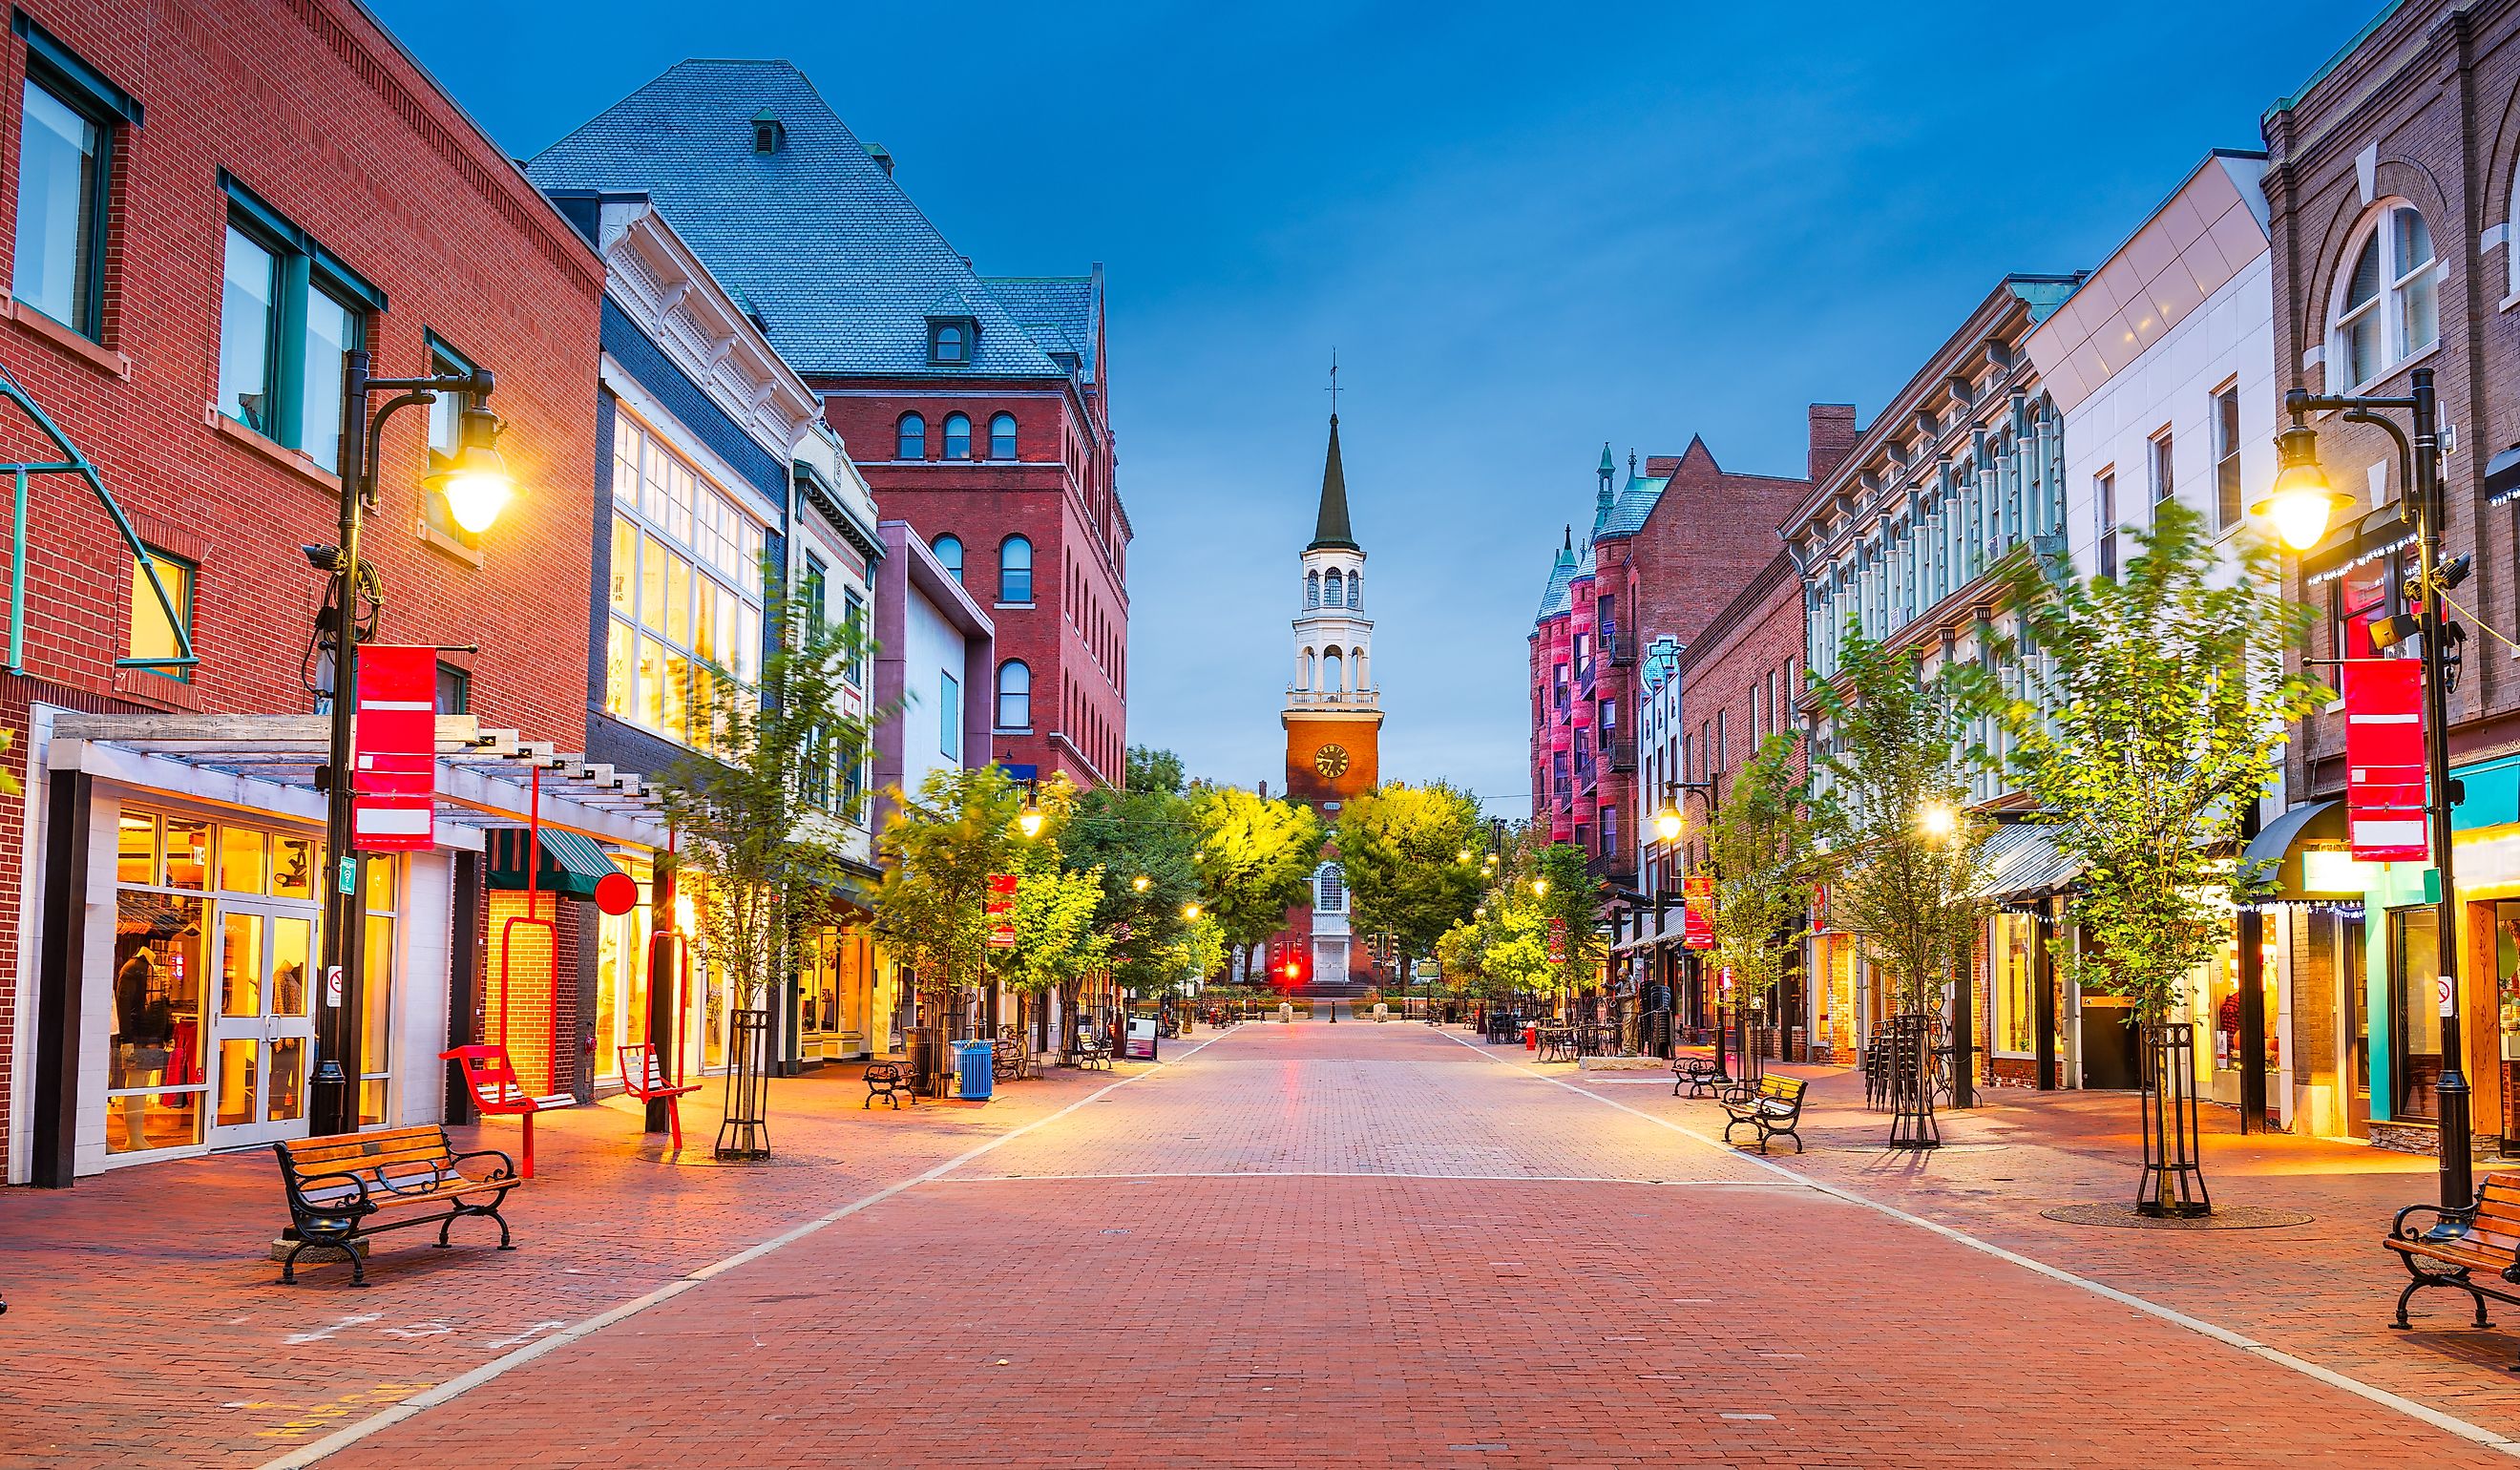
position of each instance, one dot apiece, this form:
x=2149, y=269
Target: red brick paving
x=1302, y=1245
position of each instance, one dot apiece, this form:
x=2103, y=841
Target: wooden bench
x=889, y=1080
x=497, y=1092
x=1699, y=1074
x=1773, y=1107
x=1011, y=1060
x=351, y=1185
x=2457, y=1247
x=1092, y=1050
x=643, y=1076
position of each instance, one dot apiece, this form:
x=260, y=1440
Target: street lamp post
x=2301, y=504
x=1941, y=824
x=1667, y=823
x=476, y=484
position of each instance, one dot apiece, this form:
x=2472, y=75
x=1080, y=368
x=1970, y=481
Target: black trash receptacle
x=927, y=1060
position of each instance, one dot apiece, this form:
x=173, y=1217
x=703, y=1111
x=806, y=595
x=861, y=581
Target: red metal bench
x=498, y=1091
x=643, y=1076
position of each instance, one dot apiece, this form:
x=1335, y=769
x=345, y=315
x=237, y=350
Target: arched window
x=1329, y=886
x=949, y=343
x=1312, y=589
x=1002, y=437
x=1014, y=570
x=1014, y=694
x=1356, y=589
x=958, y=437
x=1331, y=672
x=1330, y=595
x=910, y=440
x=2388, y=306
x=949, y=551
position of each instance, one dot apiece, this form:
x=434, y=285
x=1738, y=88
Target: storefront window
x=621, y=974
x=2414, y=1033
x=2016, y=1014
x=2353, y=960
x=217, y=936
x=156, y=1075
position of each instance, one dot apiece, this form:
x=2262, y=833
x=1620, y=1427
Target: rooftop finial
x=1333, y=386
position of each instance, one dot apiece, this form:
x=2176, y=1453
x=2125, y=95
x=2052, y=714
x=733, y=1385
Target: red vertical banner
x=394, y=790
x=1001, y=910
x=2384, y=759
x=1698, y=929
x=1557, y=941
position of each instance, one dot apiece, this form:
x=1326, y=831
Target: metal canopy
x=484, y=777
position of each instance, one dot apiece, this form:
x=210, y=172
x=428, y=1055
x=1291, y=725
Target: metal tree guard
x=1911, y=1083
x=745, y=1132
x=2174, y=1173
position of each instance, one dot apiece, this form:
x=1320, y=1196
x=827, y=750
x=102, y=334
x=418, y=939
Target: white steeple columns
x=1333, y=638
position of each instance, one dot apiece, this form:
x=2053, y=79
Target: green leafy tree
x=1145, y=842
x=1254, y=858
x=1909, y=859
x=1765, y=852
x=1569, y=907
x=1409, y=855
x=940, y=849
x=2151, y=712
x=1057, y=941
x=753, y=805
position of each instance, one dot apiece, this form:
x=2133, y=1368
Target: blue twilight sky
x=1527, y=230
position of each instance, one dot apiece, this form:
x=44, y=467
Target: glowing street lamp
x=1191, y=911
x=2301, y=502
x=1029, y=822
x=1667, y=822
x=475, y=479
x=1141, y=882
x=1937, y=820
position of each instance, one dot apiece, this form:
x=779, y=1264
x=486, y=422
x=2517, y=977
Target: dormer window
x=769, y=134
x=949, y=340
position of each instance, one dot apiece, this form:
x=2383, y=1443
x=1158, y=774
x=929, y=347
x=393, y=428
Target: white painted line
x=455, y=1386
x=2447, y=1423
x=1354, y=1174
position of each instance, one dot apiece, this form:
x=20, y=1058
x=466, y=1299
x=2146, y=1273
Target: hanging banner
x=2384, y=759
x=1697, y=928
x=1557, y=941
x=1819, y=909
x=393, y=789
x=1001, y=910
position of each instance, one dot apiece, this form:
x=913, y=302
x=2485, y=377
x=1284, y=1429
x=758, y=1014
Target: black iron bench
x=1010, y=1059
x=1092, y=1050
x=1699, y=1074
x=889, y=1080
x=2457, y=1247
x=1773, y=1107
x=348, y=1187
x=1557, y=1044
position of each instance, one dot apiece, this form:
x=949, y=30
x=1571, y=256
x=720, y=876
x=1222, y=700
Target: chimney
x=882, y=156
x=1832, y=438
x=1661, y=467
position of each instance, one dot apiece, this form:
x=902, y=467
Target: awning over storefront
x=2377, y=534
x=2023, y=862
x=267, y=763
x=572, y=865
x=1648, y=933
x=2306, y=852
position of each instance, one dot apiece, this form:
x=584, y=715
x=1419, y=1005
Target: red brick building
x=1666, y=552
x=1738, y=685
x=976, y=406
x=212, y=202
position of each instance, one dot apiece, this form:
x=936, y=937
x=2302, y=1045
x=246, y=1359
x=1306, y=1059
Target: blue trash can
x=978, y=1062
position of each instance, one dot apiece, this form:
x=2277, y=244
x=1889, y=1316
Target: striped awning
x=572, y=865
x=2022, y=862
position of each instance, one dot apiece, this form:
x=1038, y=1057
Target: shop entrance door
x=2110, y=1044
x=263, y=1036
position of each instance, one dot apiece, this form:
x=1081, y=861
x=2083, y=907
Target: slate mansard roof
x=842, y=267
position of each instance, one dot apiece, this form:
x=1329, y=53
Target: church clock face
x=1330, y=761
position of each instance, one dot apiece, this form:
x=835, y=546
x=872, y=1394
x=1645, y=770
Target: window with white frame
x=686, y=591
x=2388, y=306
x=2227, y=458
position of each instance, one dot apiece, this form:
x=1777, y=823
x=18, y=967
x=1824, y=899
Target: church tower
x=1333, y=720
x=1333, y=712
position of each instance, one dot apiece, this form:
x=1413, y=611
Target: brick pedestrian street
x=1305, y=1244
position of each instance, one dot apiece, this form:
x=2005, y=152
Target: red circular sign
x=617, y=893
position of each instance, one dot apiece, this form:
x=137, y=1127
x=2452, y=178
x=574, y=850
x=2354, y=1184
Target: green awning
x=572, y=865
